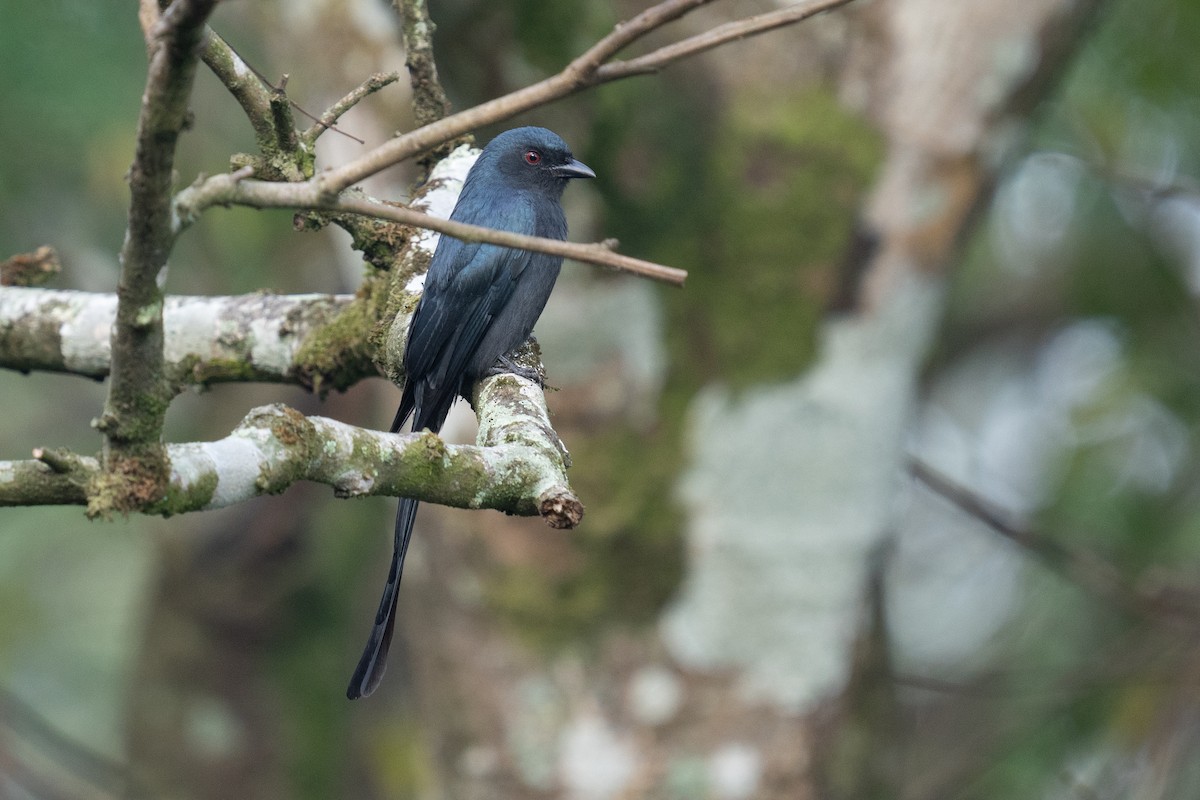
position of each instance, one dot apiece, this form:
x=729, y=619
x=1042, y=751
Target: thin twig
x=722, y=34
x=111, y=777
x=333, y=114
x=220, y=189
x=598, y=254
x=1083, y=567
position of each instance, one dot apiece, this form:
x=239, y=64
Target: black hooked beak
x=574, y=169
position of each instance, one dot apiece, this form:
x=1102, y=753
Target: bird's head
x=534, y=158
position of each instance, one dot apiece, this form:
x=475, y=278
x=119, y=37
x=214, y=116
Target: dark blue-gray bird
x=479, y=304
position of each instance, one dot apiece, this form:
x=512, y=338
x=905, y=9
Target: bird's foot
x=507, y=366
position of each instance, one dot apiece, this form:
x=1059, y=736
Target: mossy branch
x=276, y=446
x=313, y=340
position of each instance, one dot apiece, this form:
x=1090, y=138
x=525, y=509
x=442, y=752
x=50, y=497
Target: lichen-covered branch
x=276, y=446
x=34, y=482
x=255, y=337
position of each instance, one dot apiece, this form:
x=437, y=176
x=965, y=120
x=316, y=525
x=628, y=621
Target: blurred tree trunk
x=241, y=613
x=733, y=692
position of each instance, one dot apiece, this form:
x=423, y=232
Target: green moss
x=177, y=501
x=132, y=481
x=195, y=371
x=756, y=201
x=790, y=171
x=338, y=354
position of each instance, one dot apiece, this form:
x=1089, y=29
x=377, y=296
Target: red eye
x=532, y=157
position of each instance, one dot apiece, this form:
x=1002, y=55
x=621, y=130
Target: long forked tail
x=370, y=667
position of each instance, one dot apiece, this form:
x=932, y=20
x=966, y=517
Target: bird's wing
x=453, y=318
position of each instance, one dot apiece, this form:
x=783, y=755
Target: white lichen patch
x=446, y=178
x=188, y=325
x=595, y=761
x=735, y=772
x=790, y=488
x=269, y=350
x=235, y=460
x=655, y=695
x=87, y=335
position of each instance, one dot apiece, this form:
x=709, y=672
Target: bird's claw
x=507, y=366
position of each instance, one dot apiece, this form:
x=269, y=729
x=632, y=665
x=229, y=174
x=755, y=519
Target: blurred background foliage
x=1065, y=384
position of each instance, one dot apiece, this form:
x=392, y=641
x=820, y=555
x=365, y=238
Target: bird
x=479, y=304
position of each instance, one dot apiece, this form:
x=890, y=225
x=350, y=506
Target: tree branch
x=251, y=93
x=227, y=188
x=1082, y=567
x=138, y=396
x=256, y=337
x=600, y=254
x=519, y=467
x=722, y=34
x=585, y=71
x=33, y=482
x=429, y=101
x=354, y=97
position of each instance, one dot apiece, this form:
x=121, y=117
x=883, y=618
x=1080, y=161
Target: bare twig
x=222, y=189
x=722, y=34
x=600, y=254
x=326, y=121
